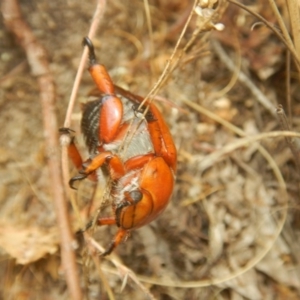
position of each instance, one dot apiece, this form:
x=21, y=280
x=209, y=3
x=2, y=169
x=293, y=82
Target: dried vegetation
x=231, y=230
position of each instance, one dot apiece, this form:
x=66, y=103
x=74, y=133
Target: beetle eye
x=136, y=196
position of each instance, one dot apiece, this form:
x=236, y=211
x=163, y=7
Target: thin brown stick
x=37, y=59
x=94, y=25
x=65, y=139
x=288, y=84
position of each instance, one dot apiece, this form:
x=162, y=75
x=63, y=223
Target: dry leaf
x=29, y=244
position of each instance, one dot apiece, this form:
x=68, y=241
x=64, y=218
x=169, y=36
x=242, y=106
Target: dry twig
x=37, y=59
x=65, y=139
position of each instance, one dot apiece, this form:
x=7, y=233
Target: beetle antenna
x=92, y=57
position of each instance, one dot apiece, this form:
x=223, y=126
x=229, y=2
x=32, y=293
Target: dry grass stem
x=284, y=29
x=99, y=11
x=295, y=22
x=292, y=141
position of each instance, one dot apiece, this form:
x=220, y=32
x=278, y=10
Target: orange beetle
x=142, y=168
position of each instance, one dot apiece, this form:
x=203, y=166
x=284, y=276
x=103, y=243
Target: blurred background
x=231, y=230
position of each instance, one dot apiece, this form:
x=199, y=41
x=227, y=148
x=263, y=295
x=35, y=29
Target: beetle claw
x=76, y=178
x=88, y=226
x=108, y=250
x=92, y=57
x=82, y=230
x=65, y=130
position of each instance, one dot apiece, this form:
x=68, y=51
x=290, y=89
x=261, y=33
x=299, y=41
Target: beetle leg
x=115, y=166
x=120, y=235
x=160, y=135
x=138, y=162
x=106, y=221
x=73, y=151
x=111, y=112
x=74, y=154
x=111, y=115
x=76, y=178
x=98, y=71
x=132, y=198
x=100, y=222
x=76, y=157
x=161, y=138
